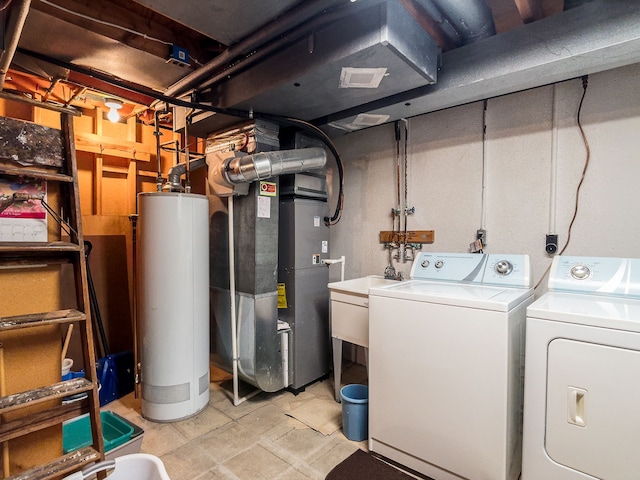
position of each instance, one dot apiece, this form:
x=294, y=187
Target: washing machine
x=446, y=366
x=582, y=383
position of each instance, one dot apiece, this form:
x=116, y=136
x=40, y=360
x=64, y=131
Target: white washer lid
x=483, y=297
x=586, y=309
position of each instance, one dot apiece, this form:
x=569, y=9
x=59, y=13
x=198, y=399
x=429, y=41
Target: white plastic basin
x=350, y=308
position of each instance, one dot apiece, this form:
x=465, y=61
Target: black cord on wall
x=585, y=84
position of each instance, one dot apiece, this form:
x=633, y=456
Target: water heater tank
x=173, y=304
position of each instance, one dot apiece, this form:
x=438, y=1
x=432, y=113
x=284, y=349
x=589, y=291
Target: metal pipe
x=287, y=21
x=277, y=45
x=17, y=18
x=473, y=20
x=158, y=146
x=483, y=204
x=432, y=20
x=405, y=207
x=187, y=182
x=263, y=165
x=175, y=172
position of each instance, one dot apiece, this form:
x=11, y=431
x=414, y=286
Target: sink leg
x=337, y=365
x=366, y=361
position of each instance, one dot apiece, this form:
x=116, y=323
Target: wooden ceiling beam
x=96, y=15
x=530, y=10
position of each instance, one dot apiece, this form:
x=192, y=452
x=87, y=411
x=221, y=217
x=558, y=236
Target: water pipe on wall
x=330, y=261
x=554, y=161
x=157, y=134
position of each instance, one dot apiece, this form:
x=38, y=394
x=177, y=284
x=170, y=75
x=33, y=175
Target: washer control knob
x=439, y=264
x=425, y=263
x=503, y=267
x=580, y=272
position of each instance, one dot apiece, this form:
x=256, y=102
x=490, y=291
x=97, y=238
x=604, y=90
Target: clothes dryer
x=446, y=365
x=582, y=382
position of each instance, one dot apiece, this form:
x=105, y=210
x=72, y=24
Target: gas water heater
x=173, y=304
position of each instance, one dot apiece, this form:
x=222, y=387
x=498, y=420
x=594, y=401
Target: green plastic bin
x=76, y=433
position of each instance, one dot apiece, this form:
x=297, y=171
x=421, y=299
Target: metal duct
x=263, y=165
x=287, y=21
x=434, y=22
x=376, y=52
x=473, y=20
x=226, y=174
x=554, y=49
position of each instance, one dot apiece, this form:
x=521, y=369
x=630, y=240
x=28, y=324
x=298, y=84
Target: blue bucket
x=355, y=411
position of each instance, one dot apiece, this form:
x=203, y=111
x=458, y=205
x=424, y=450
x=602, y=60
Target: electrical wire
x=316, y=132
x=104, y=22
x=585, y=84
x=304, y=125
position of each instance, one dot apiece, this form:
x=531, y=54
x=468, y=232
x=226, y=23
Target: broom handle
x=65, y=347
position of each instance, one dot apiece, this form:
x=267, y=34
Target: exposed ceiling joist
x=530, y=10
x=131, y=25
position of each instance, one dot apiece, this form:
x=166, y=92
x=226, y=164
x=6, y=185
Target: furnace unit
x=303, y=245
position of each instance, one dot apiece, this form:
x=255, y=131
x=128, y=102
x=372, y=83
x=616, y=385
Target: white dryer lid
x=587, y=309
x=484, y=297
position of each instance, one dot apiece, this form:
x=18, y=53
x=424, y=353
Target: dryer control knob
x=580, y=272
x=504, y=267
x=424, y=264
x=439, y=264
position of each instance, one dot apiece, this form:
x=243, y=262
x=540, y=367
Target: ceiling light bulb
x=113, y=105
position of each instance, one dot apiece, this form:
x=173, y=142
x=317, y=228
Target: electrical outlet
x=481, y=234
x=551, y=244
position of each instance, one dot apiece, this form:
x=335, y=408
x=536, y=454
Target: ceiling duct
x=372, y=54
x=472, y=20
x=599, y=35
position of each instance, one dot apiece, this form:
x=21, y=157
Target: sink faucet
x=390, y=273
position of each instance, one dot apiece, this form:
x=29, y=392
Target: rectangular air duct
x=364, y=56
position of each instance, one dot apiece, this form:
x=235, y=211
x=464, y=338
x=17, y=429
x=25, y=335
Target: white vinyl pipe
x=483, y=205
x=331, y=261
x=232, y=298
x=554, y=161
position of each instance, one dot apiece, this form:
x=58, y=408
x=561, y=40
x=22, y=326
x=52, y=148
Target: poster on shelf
x=22, y=221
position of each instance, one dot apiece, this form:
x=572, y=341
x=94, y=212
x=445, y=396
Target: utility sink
x=350, y=316
x=360, y=286
x=350, y=308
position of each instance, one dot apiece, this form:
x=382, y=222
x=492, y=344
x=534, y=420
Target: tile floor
x=255, y=440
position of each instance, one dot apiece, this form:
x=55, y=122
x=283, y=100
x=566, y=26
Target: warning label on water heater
x=268, y=189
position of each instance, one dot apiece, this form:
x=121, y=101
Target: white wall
x=445, y=176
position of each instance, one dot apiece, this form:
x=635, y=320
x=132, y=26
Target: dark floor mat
x=361, y=465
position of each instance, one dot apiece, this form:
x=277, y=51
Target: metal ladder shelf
x=19, y=254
